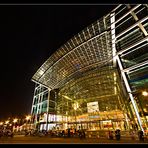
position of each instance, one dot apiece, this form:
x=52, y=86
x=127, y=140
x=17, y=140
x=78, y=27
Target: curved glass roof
x=88, y=49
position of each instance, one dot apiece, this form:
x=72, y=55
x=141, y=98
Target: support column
x=117, y=59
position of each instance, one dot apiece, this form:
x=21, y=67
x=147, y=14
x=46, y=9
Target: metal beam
x=123, y=73
x=136, y=19
x=131, y=27
x=135, y=66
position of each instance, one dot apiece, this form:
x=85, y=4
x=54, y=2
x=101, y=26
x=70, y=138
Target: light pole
x=6, y=124
x=14, y=121
x=28, y=120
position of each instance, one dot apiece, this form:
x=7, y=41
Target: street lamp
x=1, y=123
x=15, y=120
x=144, y=93
x=28, y=117
x=14, y=123
x=6, y=122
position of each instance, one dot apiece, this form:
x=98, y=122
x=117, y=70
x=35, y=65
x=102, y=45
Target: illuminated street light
x=1, y=123
x=7, y=121
x=28, y=117
x=15, y=120
x=28, y=120
x=144, y=93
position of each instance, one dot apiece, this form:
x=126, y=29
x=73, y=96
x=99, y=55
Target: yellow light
x=66, y=97
x=28, y=117
x=1, y=123
x=15, y=120
x=75, y=105
x=7, y=122
x=144, y=93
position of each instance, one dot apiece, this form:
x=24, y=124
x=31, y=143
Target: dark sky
x=29, y=34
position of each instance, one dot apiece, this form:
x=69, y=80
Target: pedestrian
x=83, y=134
x=141, y=136
x=63, y=133
x=110, y=135
x=136, y=126
x=69, y=132
x=117, y=134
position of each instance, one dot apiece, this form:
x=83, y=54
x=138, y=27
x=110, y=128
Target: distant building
x=95, y=80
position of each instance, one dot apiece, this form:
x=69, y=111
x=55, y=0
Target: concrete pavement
x=49, y=140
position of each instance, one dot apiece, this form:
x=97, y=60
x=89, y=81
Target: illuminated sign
x=94, y=117
x=92, y=107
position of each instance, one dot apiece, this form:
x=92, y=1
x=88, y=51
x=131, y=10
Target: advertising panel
x=92, y=107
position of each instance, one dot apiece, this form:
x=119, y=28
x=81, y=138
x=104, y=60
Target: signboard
x=92, y=107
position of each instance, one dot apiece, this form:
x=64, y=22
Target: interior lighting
x=144, y=93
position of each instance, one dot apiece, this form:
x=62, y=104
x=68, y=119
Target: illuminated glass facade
x=95, y=80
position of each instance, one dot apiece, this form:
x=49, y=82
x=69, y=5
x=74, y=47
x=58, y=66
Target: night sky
x=29, y=34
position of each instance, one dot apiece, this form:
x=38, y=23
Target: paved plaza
x=49, y=140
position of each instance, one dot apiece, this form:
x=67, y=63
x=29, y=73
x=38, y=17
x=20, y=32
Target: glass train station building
x=96, y=79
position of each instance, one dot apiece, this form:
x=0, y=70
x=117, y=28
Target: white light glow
x=7, y=122
x=144, y=93
x=28, y=117
x=15, y=120
x=1, y=123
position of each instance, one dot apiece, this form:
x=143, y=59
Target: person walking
x=110, y=135
x=141, y=136
x=117, y=134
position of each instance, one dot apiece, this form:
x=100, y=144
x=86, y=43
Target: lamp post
x=28, y=120
x=14, y=123
x=6, y=124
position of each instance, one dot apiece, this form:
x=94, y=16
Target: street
x=49, y=140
